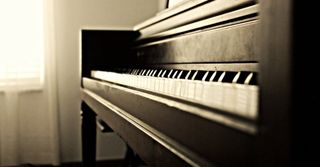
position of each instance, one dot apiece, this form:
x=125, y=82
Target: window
x=21, y=44
x=172, y=3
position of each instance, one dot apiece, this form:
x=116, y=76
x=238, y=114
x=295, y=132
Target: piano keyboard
x=232, y=92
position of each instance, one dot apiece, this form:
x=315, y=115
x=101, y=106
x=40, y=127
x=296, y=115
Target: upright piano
x=204, y=83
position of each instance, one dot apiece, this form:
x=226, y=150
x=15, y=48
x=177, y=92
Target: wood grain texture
x=228, y=44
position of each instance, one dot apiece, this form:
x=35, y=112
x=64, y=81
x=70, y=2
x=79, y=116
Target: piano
x=204, y=83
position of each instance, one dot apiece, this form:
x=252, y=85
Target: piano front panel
x=233, y=43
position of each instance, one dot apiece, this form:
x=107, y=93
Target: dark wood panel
x=235, y=43
x=209, y=66
x=276, y=107
x=104, y=49
x=305, y=93
x=209, y=139
x=148, y=149
x=88, y=135
x=210, y=9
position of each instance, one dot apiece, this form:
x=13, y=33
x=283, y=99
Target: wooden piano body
x=207, y=83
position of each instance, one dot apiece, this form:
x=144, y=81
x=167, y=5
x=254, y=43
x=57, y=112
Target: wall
x=70, y=16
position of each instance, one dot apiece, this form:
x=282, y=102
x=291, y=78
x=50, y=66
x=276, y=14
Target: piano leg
x=88, y=136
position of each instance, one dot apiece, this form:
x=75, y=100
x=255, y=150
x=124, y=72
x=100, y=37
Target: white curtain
x=29, y=129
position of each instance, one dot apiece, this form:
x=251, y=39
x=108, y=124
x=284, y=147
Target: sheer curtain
x=29, y=129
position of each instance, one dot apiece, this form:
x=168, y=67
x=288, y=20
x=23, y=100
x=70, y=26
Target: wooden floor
x=114, y=163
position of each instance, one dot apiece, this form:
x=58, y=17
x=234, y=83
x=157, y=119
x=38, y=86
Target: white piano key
x=191, y=89
x=217, y=100
x=133, y=80
x=128, y=79
x=192, y=86
x=149, y=83
x=229, y=95
x=136, y=81
x=153, y=82
x=144, y=82
x=146, y=79
x=177, y=90
x=122, y=78
x=157, y=82
x=140, y=81
x=200, y=87
x=218, y=88
x=184, y=88
x=170, y=86
x=253, y=102
x=166, y=85
x=157, y=85
x=242, y=98
x=172, y=83
x=161, y=85
x=119, y=77
x=162, y=81
x=198, y=90
x=109, y=77
x=207, y=94
x=150, y=80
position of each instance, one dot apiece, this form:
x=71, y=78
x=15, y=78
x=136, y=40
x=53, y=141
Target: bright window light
x=21, y=44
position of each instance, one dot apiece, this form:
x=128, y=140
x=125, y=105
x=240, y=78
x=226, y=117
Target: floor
x=98, y=164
